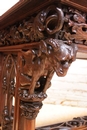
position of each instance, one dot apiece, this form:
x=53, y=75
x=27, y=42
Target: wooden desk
x=37, y=38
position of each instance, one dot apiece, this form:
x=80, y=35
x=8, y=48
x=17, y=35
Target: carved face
x=63, y=59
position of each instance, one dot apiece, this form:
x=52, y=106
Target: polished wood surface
x=37, y=38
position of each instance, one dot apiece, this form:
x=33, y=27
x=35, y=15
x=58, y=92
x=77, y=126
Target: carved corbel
x=47, y=54
x=36, y=68
x=37, y=64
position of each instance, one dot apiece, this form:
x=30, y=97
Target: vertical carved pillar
x=1, y=101
x=8, y=91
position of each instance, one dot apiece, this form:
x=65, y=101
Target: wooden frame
x=37, y=38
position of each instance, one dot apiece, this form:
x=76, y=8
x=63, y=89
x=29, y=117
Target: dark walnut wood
x=79, y=123
x=36, y=68
x=37, y=38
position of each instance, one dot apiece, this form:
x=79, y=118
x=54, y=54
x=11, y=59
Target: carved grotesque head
x=62, y=56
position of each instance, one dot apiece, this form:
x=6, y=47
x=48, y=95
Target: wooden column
x=29, y=124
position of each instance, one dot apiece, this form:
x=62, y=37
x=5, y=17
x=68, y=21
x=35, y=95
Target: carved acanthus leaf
x=75, y=26
x=35, y=28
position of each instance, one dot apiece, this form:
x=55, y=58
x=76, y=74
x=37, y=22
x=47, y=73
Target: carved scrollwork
x=37, y=64
x=75, y=26
x=79, y=123
x=32, y=29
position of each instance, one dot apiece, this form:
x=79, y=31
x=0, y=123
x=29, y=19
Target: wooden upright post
x=29, y=124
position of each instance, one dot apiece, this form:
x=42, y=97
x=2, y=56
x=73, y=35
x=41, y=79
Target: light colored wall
x=72, y=89
x=6, y=4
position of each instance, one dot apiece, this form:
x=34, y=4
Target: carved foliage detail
x=30, y=110
x=75, y=26
x=34, y=28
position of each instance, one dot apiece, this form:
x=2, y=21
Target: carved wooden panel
x=8, y=86
x=79, y=123
x=33, y=48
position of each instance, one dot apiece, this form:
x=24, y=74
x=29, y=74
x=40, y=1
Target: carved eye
x=63, y=62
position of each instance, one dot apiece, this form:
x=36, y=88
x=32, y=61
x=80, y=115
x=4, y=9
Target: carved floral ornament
x=32, y=29
x=75, y=26
x=36, y=65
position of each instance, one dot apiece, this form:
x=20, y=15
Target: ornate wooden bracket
x=36, y=65
x=36, y=68
x=33, y=49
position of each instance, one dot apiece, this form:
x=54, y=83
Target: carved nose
x=66, y=65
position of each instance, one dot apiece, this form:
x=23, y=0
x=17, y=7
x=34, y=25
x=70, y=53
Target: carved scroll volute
x=8, y=87
x=33, y=29
x=74, y=27
x=49, y=20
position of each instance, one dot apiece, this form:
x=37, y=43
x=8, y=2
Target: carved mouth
x=61, y=71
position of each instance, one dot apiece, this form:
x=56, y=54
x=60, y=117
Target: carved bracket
x=54, y=52
x=36, y=68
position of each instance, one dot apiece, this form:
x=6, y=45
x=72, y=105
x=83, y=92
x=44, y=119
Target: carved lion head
x=61, y=55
